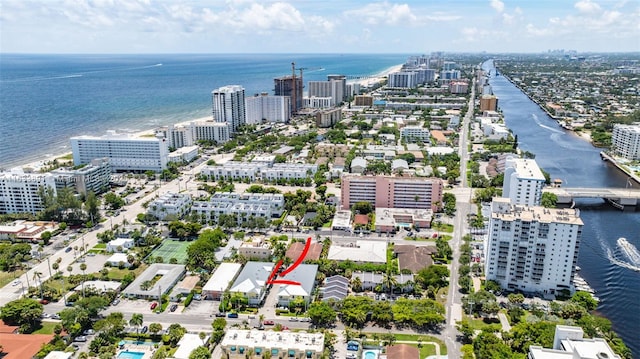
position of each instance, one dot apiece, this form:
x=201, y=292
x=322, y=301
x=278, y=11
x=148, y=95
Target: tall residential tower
x=229, y=106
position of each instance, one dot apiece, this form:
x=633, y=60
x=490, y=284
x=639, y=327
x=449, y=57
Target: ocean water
x=45, y=99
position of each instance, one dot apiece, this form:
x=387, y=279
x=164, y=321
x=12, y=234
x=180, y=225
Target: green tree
x=113, y=201
x=435, y=275
x=155, y=328
x=466, y=330
x=175, y=333
x=92, y=206
x=488, y=345
x=321, y=313
x=24, y=312
x=362, y=207
x=200, y=353
x=136, y=320
x=219, y=324
x=549, y=200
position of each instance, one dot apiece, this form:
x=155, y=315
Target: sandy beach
x=37, y=165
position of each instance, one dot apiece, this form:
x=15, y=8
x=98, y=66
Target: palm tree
x=390, y=281
x=55, y=267
x=37, y=276
x=356, y=284
x=83, y=267
x=202, y=336
x=136, y=321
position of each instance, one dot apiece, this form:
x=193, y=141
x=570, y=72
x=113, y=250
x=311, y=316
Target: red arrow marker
x=271, y=279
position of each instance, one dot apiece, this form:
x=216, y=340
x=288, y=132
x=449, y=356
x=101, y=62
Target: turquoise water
x=45, y=99
x=130, y=355
x=370, y=355
x=140, y=342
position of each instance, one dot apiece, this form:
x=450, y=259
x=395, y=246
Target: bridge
x=618, y=197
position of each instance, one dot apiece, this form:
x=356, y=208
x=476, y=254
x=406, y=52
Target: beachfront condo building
x=179, y=136
x=265, y=108
x=532, y=248
x=403, y=79
x=94, y=177
x=335, y=87
x=125, y=152
x=488, y=103
x=523, y=181
x=20, y=192
x=625, y=141
x=229, y=106
x=292, y=87
x=392, y=191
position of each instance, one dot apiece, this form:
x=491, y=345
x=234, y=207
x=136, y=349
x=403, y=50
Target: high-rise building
x=403, y=79
x=335, y=87
x=625, y=141
x=94, y=177
x=392, y=192
x=228, y=106
x=125, y=152
x=284, y=86
x=488, y=103
x=532, y=248
x=219, y=132
x=523, y=181
x=457, y=87
x=20, y=192
x=328, y=118
x=267, y=108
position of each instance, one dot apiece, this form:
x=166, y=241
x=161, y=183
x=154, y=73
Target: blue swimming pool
x=370, y=355
x=130, y=355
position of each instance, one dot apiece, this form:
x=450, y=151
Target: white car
x=15, y=283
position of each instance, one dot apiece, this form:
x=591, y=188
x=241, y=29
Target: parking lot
x=204, y=307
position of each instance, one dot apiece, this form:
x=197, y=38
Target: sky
x=312, y=26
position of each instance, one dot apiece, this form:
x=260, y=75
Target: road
x=463, y=207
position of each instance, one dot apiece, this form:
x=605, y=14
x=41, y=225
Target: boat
x=629, y=250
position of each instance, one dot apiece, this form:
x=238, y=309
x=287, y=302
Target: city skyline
x=310, y=26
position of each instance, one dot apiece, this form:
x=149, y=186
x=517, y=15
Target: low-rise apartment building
x=174, y=205
x=242, y=205
x=240, y=344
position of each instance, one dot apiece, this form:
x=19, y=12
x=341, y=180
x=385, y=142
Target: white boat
x=629, y=250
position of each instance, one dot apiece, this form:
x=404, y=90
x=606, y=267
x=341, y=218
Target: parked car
x=88, y=332
x=173, y=307
x=232, y=315
x=55, y=316
x=81, y=338
x=293, y=319
x=115, y=302
x=154, y=305
x=44, y=301
x=67, y=250
x=220, y=315
x=268, y=322
x=144, y=329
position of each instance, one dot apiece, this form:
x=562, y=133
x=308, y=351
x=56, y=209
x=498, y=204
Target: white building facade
x=243, y=206
x=265, y=108
x=170, y=204
x=523, y=181
x=20, y=192
x=532, y=249
x=625, y=141
x=125, y=152
x=229, y=106
x=402, y=80
x=414, y=133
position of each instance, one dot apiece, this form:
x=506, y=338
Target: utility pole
x=49, y=265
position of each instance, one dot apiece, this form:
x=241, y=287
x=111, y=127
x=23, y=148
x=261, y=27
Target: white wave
x=629, y=250
x=29, y=79
x=613, y=258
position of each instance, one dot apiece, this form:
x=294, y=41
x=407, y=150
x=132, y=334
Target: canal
x=577, y=163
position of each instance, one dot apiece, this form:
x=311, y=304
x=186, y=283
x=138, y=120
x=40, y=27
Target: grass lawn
x=426, y=348
x=100, y=246
x=8, y=277
x=118, y=274
x=443, y=227
x=172, y=249
x=479, y=324
x=328, y=224
x=45, y=328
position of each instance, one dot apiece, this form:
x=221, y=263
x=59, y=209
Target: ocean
x=45, y=99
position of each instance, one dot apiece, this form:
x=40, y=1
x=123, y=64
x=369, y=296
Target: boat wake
x=554, y=130
x=625, y=255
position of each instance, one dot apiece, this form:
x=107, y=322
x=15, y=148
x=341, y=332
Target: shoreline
x=38, y=164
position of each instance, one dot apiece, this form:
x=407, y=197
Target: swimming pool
x=130, y=355
x=370, y=354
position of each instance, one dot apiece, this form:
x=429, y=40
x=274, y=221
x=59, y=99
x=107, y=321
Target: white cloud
x=587, y=7
x=384, y=13
x=497, y=5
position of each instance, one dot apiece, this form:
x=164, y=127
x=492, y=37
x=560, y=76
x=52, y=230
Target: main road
x=463, y=208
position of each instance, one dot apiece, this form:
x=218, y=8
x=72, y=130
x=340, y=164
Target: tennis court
x=171, y=249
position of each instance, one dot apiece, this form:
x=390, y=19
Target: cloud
x=497, y=5
x=385, y=13
x=587, y=7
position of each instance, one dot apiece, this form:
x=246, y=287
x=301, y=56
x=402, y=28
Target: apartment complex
x=625, y=141
x=243, y=206
x=328, y=118
x=229, y=106
x=240, y=344
x=392, y=192
x=254, y=171
x=334, y=88
x=403, y=79
x=189, y=135
x=125, y=152
x=523, y=181
x=415, y=133
x=20, y=192
x=94, y=177
x=488, y=103
x=174, y=205
x=264, y=108
x=532, y=248
x=569, y=343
